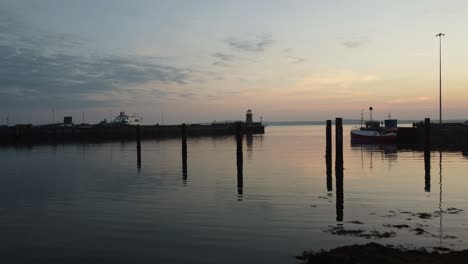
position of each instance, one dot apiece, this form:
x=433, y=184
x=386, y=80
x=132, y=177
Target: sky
x=198, y=61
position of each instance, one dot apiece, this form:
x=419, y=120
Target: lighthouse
x=248, y=117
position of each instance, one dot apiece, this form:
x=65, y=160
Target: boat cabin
x=372, y=124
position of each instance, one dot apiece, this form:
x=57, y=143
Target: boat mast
x=362, y=116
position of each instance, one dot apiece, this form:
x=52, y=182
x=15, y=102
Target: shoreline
x=372, y=253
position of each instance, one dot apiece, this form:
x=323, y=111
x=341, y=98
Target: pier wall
x=51, y=133
x=449, y=136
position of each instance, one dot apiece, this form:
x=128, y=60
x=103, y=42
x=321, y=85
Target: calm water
x=91, y=204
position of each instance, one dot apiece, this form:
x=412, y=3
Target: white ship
x=124, y=119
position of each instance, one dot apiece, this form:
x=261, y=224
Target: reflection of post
x=441, y=231
x=339, y=169
x=427, y=170
x=138, y=137
x=184, y=153
x=427, y=154
x=240, y=161
x=328, y=155
x=249, y=140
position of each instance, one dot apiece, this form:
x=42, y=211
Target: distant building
x=248, y=117
x=67, y=120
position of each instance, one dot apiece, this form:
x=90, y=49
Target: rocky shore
x=372, y=253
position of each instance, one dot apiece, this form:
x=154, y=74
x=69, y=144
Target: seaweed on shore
x=397, y=226
x=356, y=222
x=453, y=210
x=424, y=215
x=340, y=231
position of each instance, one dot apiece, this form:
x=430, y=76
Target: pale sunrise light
x=210, y=60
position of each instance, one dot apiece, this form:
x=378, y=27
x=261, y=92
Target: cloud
x=291, y=58
x=256, y=44
x=223, y=56
x=353, y=44
x=41, y=68
x=223, y=59
x=296, y=60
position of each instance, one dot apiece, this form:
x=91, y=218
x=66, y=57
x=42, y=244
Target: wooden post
x=339, y=169
x=138, y=138
x=184, y=153
x=328, y=155
x=240, y=161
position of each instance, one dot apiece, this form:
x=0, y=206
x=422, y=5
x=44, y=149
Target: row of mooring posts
x=184, y=149
x=239, y=155
x=339, y=174
x=339, y=167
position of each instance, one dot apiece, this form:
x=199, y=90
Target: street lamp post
x=440, y=35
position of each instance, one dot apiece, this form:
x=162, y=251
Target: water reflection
x=249, y=139
x=139, y=157
x=427, y=170
x=138, y=136
x=390, y=153
x=184, y=160
x=154, y=219
x=329, y=178
x=339, y=194
x=440, y=198
x=240, y=165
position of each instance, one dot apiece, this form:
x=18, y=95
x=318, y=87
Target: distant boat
x=372, y=132
x=124, y=119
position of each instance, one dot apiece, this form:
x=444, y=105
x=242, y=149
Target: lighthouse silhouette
x=248, y=117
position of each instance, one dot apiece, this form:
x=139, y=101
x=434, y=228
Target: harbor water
x=95, y=203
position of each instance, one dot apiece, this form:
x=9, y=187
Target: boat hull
x=360, y=136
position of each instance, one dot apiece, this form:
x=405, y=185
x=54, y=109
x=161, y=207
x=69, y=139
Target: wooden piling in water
x=138, y=139
x=184, y=152
x=339, y=169
x=328, y=155
x=240, y=160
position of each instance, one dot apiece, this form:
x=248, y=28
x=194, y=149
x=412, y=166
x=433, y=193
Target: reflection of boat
x=369, y=147
x=372, y=132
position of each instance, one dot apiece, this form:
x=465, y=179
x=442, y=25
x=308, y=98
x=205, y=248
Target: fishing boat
x=124, y=119
x=373, y=132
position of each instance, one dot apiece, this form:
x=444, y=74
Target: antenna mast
x=362, y=117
